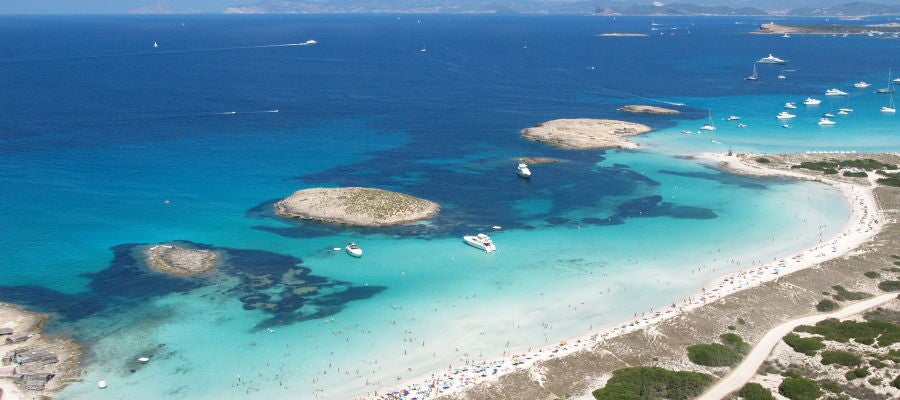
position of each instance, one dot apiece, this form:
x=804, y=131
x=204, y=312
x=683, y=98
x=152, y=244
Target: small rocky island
x=356, y=206
x=178, y=260
x=645, y=109
x=586, y=133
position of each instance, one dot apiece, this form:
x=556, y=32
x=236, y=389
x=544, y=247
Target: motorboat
x=828, y=115
x=785, y=115
x=812, y=102
x=523, y=171
x=143, y=360
x=842, y=112
x=884, y=91
x=861, y=85
x=353, y=249
x=835, y=92
x=155, y=45
x=845, y=110
x=310, y=41
x=770, y=59
x=481, y=241
x=896, y=81
x=887, y=109
x=101, y=384
x=826, y=122
x=790, y=105
x=733, y=118
x=742, y=125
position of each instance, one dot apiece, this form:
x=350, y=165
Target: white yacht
x=523, y=171
x=790, y=105
x=826, y=122
x=861, y=85
x=481, y=241
x=733, y=118
x=353, y=249
x=770, y=59
x=785, y=115
x=709, y=125
x=835, y=92
x=845, y=110
x=896, y=81
x=828, y=115
x=812, y=102
x=310, y=41
x=101, y=384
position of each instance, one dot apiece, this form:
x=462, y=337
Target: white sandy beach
x=864, y=222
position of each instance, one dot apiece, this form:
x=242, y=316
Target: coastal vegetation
x=889, y=286
x=763, y=160
x=647, y=383
x=832, y=166
x=840, y=357
x=827, y=305
x=804, y=345
x=844, y=295
x=872, y=274
x=867, y=332
x=728, y=353
x=799, y=389
x=755, y=391
x=889, y=179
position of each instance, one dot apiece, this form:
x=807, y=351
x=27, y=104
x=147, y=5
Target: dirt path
x=747, y=368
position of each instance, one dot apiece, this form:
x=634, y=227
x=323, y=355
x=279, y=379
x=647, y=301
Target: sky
x=110, y=6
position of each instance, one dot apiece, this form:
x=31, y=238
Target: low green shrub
x=856, y=174
x=896, y=382
x=885, y=333
x=840, y=357
x=763, y=160
x=857, y=373
x=653, y=383
x=712, y=355
x=889, y=286
x=843, y=294
x=799, y=389
x=872, y=274
x=830, y=386
x=827, y=305
x=755, y=391
x=804, y=345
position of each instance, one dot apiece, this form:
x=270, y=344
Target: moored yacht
x=790, y=105
x=826, y=122
x=353, y=249
x=861, y=85
x=770, y=59
x=812, y=102
x=733, y=118
x=785, y=115
x=481, y=241
x=523, y=171
x=835, y=92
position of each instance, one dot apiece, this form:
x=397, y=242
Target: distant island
x=356, y=206
x=780, y=29
x=586, y=133
x=644, y=109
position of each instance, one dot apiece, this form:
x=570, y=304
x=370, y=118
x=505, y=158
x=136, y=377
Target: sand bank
x=179, y=260
x=578, y=365
x=356, y=206
x=586, y=133
x=33, y=364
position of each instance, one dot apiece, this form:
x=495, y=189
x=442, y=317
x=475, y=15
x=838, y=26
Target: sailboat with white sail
x=890, y=108
x=709, y=125
x=753, y=77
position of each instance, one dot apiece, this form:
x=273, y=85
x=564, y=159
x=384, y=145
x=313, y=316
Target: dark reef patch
x=721, y=177
x=273, y=283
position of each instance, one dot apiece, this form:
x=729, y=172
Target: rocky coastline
x=645, y=109
x=178, y=260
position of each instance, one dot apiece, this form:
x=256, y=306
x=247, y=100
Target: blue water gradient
x=108, y=145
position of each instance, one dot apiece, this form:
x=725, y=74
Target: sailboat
x=890, y=108
x=753, y=77
x=708, y=126
x=155, y=45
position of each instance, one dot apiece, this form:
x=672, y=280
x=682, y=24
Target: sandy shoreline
x=865, y=221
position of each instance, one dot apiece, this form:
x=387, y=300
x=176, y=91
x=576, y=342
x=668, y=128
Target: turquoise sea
x=108, y=145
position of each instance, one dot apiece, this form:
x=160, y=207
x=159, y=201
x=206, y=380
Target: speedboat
x=155, y=45
x=887, y=109
x=896, y=81
x=842, y=112
x=481, y=241
x=812, y=102
x=742, y=125
x=101, y=384
x=785, y=115
x=353, y=249
x=708, y=127
x=828, y=115
x=523, y=171
x=826, y=122
x=733, y=118
x=790, y=104
x=835, y=92
x=845, y=110
x=310, y=41
x=770, y=59
x=884, y=91
x=861, y=85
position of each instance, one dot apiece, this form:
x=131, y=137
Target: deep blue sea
x=109, y=144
